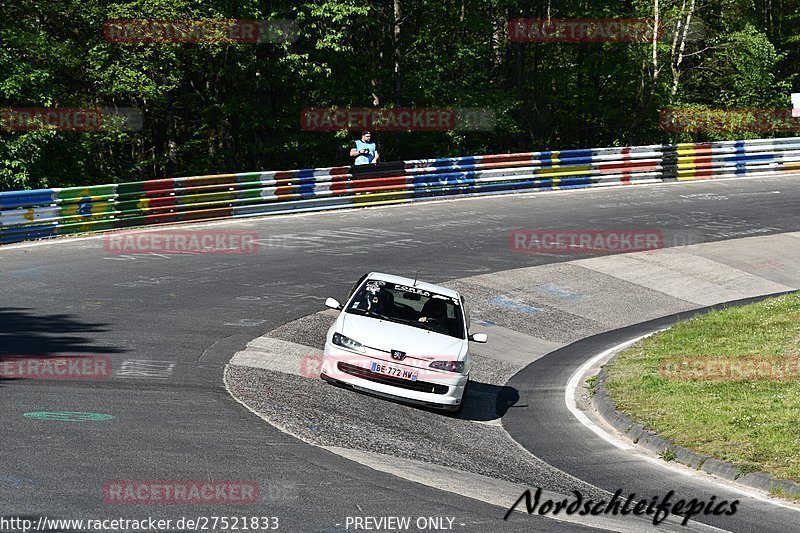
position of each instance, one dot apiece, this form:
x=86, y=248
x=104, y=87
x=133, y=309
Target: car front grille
x=419, y=386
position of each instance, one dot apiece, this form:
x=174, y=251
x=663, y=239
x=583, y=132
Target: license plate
x=393, y=371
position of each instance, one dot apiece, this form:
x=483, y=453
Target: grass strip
x=725, y=384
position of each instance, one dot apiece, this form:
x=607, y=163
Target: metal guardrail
x=43, y=213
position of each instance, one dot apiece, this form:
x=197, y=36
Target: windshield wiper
x=384, y=317
x=365, y=312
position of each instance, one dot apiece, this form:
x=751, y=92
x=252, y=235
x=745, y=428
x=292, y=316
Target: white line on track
x=569, y=398
x=572, y=386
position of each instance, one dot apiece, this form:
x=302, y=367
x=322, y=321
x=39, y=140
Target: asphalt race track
x=170, y=324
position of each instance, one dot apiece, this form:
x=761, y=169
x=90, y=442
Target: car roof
x=400, y=280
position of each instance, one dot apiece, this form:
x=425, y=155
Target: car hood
x=415, y=342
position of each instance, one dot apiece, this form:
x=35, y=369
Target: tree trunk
x=656, y=31
x=398, y=53
x=172, y=141
x=647, y=87
x=681, y=39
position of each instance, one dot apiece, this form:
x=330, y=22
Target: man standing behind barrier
x=365, y=151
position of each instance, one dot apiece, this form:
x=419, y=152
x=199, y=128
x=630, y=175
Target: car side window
x=466, y=313
x=356, y=286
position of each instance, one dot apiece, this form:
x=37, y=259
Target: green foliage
x=231, y=107
x=684, y=383
x=741, y=72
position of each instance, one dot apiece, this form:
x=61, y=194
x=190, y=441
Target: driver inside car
x=435, y=311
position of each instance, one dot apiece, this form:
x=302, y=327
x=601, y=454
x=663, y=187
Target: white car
x=402, y=339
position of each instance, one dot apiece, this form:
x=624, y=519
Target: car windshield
x=410, y=306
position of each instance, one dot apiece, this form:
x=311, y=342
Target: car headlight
x=347, y=342
x=450, y=366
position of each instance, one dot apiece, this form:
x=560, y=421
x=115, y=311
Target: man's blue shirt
x=364, y=159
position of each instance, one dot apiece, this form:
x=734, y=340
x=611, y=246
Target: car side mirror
x=479, y=337
x=333, y=303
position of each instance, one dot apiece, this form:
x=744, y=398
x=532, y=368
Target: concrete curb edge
x=650, y=440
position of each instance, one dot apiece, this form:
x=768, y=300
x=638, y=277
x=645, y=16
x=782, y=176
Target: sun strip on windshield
x=422, y=292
